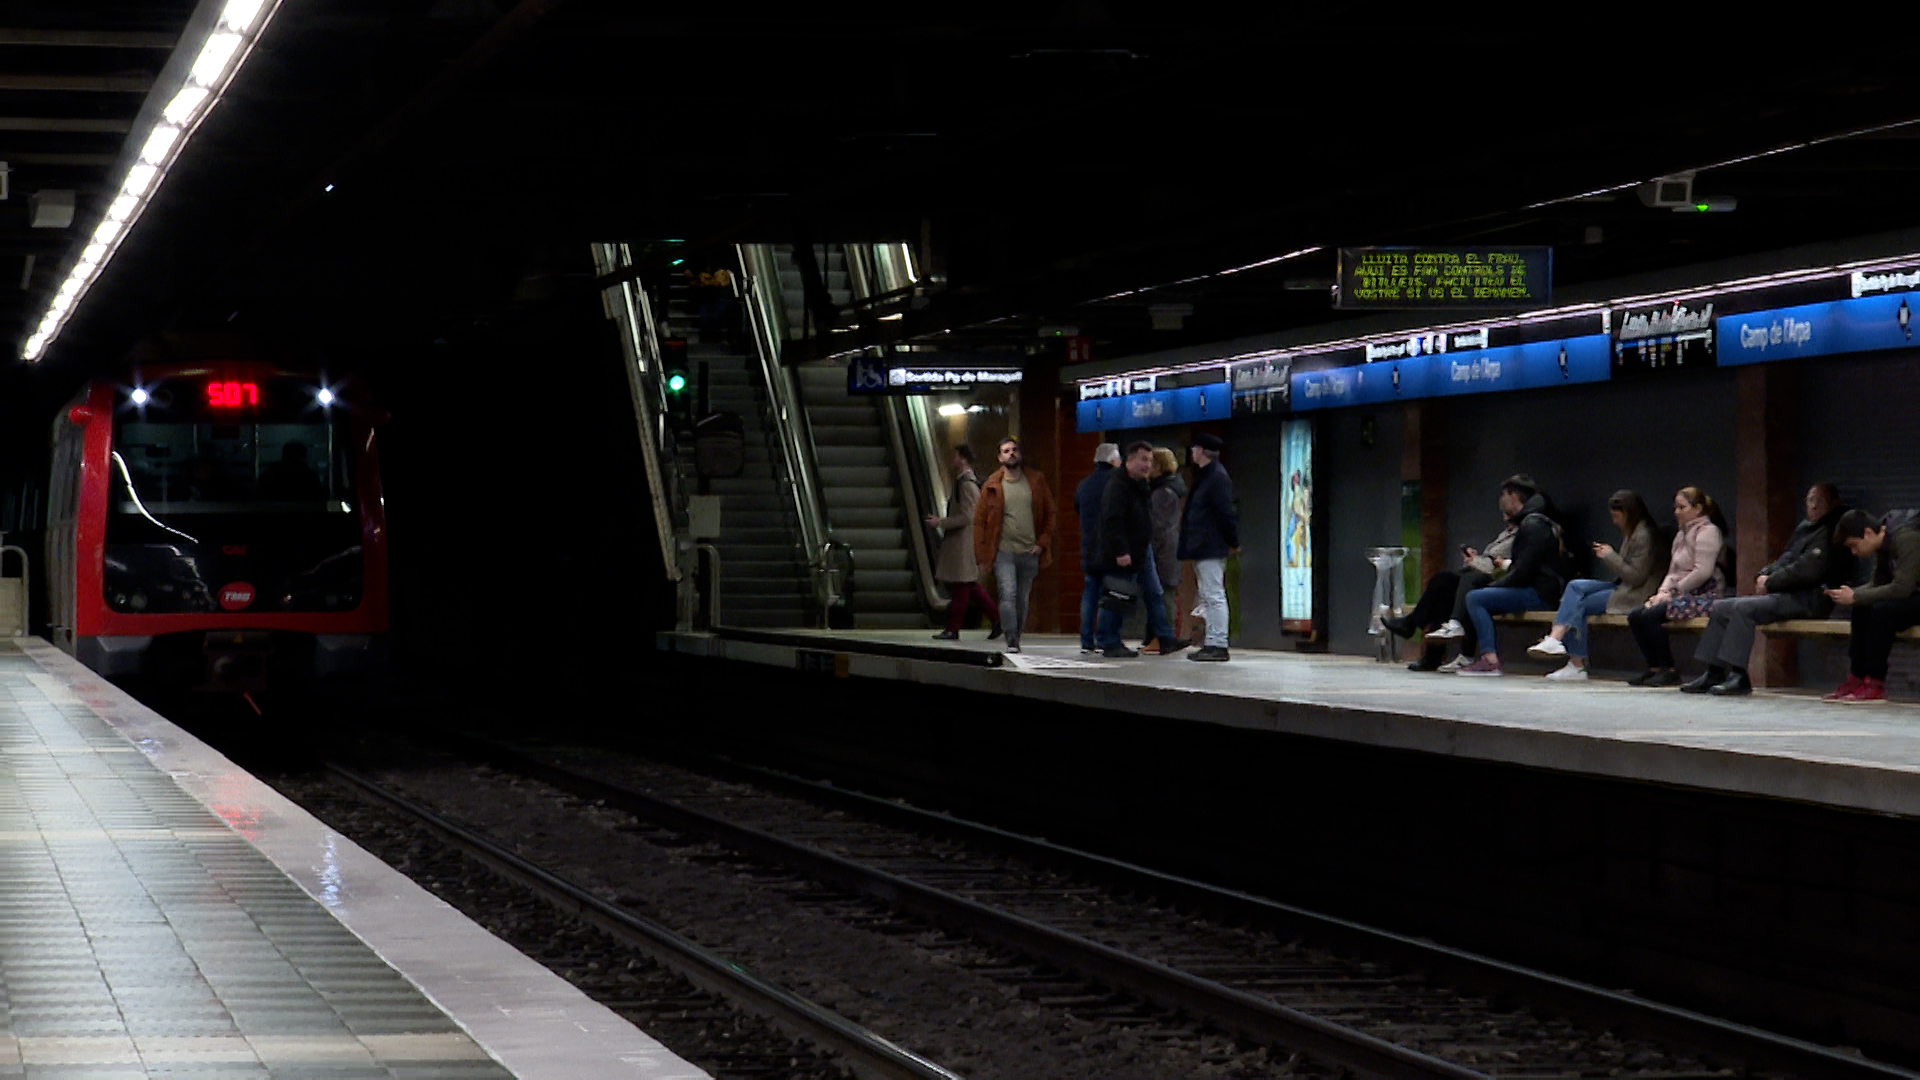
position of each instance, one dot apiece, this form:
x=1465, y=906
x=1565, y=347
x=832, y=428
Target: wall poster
x=1296, y=526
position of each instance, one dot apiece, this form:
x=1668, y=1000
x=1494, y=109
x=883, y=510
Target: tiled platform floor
x=1780, y=745
x=144, y=934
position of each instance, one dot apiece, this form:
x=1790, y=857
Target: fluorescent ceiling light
x=93, y=253
x=107, y=231
x=139, y=179
x=61, y=301
x=186, y=103
x=952, y=410
x=212, y=61
x=159, y=143
x=122, y=208
x=238, y=15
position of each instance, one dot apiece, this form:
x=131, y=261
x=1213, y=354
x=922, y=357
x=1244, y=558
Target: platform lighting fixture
x=952, y=410
x=219, y=56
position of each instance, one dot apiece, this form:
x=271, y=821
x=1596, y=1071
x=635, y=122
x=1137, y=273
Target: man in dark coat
x=1789, y=587
x=1209, y=532
x=1125, y=551
x=1888, y=604
x=1534, y=576
x=1086, y=501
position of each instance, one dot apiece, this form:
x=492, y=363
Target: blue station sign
x=1533, y=365
x=1864, y=324
x=1180, y=405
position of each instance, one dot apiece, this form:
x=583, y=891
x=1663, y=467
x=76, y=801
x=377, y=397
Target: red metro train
x=219, y=527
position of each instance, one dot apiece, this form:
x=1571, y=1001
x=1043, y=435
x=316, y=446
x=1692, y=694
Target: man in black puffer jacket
x=1535, y=576
x=1790, y=587
x=1126, y=550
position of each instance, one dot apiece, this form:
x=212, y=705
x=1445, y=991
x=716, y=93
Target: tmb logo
x=235, y=596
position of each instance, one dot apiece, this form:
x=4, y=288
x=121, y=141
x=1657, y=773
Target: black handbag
x=1117, y=593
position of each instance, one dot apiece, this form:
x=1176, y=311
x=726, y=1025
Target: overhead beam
x=107, y=39
x=66, y=123
x=105, y=84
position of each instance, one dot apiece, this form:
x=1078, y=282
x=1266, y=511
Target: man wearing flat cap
x=1209, y=532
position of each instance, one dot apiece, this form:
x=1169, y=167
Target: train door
x=63, y=505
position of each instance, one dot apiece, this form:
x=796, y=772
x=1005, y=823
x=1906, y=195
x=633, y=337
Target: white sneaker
x=1448, y=631
x=1568, y=674
x=1547, y=648
x=1454, y=665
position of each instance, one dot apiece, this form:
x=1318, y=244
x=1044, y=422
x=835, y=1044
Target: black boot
x=1707, y=680
x=1431, y=657
x=1736, y=685
x=1399, y=625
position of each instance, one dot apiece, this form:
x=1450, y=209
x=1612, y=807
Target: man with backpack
x=1535, y=574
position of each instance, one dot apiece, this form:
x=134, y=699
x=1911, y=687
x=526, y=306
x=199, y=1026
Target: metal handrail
x=917, y=531
x=758, y=288
x=626, y=304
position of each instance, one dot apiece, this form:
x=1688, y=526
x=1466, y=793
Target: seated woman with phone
x=1635, y=568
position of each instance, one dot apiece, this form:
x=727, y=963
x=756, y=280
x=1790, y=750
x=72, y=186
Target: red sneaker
x=1871, y=689
x=1845, y=690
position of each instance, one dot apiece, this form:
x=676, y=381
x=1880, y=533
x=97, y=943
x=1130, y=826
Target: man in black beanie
x=1209, y=532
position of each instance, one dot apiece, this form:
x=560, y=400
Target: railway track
x=1371, y=1001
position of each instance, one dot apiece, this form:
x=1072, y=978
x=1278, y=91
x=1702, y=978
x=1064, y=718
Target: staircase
x=862, y=495
x=764, y=580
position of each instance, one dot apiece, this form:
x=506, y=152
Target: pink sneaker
x=1482, y=666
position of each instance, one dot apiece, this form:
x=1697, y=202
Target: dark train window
x=162, y=469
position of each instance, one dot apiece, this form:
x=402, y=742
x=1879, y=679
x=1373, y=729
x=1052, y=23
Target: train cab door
x=63, y=511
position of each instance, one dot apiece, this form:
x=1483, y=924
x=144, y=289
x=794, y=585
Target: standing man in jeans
x=1209, y=532
x=1086, y=503
x=1013, y=535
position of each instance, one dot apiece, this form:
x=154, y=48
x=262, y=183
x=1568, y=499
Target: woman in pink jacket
x=1696, y=578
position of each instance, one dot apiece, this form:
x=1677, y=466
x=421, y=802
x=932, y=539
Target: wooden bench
x=1820, y=628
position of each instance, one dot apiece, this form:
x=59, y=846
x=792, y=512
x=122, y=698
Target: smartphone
x=1466, y=550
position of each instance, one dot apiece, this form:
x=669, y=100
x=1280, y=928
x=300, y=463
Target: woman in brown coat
x=954, y=566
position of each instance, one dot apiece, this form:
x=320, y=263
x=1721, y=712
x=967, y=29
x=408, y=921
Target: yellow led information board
x=1449, y=277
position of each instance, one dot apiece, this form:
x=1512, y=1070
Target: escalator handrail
x=758, y=290
x=627, y=305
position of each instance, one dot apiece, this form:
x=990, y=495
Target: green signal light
x=676, y=382
x=1702, y=207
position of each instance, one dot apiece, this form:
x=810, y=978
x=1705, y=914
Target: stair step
x=879, y=559
x=843, y=498
x=867, y=456
x=839, y=476
x=864, y=517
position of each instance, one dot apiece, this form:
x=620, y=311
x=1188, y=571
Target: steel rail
x=1626, y=1013
x=1244, y=1014
x=868, y=1054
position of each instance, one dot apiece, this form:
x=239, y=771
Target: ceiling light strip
x=220, y=52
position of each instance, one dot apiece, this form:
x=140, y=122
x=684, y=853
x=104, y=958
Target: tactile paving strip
x=140, y=936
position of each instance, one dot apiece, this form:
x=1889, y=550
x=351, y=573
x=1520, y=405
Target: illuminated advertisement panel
x=1296, y=526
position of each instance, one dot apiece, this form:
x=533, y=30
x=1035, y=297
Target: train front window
x=166, y=470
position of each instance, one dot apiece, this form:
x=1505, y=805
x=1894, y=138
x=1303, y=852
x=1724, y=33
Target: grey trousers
x=1014, y=574
x=1728, y=639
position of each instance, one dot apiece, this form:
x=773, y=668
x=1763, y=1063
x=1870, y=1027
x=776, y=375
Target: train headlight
x=139, y=396
x=324, y=397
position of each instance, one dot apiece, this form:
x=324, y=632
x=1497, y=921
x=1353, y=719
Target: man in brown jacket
x=1013, y=535
x=954, y=567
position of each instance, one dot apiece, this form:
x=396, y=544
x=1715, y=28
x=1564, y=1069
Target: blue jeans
x=1584, y=597
x=1147, y=576
x=1484, y=604
x=1089, y=609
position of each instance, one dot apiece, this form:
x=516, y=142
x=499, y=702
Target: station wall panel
x=1358, y=488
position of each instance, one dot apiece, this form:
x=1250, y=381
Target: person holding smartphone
x=1636, y=567
x=1441, y=611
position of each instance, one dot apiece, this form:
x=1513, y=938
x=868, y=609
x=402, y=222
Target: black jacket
x=1210, y=527
x=1811, y=562
x=1126, y=522
x=1537, y=553
x=1086, y=503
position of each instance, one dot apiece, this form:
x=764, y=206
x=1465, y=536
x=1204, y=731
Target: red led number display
x=232, y=395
